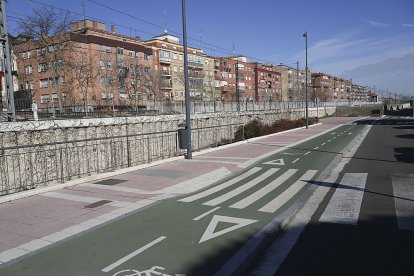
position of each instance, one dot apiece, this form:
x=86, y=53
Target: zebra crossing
x=343, y=207
x=257, y=186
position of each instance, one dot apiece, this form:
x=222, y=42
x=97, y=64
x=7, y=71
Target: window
x=108, y=49
x=55, y=98
x=175, y=69
x=63, y=80
x=175, y=56
x=53, y=82
x=102, y=64
x=108, y=64
x=44, y=99
x=28, y=69
x=146, y=57
x=136, y=54
x=42, y=68
x=131, y=53
x=147, y=70
x=120, y=51
x=43, y=83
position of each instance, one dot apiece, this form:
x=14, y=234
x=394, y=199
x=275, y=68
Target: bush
x=256, y=128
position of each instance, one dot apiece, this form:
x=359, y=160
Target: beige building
x=169, y=62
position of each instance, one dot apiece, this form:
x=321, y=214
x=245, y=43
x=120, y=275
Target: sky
x=370, y=41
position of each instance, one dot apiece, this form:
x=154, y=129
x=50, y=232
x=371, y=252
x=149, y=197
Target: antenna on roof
x=83, y=9
x=165, y=22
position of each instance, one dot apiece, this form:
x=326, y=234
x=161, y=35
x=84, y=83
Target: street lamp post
x=187, y=90
x=305, y=35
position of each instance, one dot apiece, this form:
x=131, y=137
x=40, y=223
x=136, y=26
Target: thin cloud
x=408, y=25
x=373, y=23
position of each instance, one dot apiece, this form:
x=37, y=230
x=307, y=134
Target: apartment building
x=322, y=87
x=169, y=61
x=293, y=83
x=268, y=83
x=15, y=86
x=340, y=91
x=87, y=67
x=232, y=73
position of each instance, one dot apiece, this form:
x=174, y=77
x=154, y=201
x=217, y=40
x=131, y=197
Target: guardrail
x=28, y=167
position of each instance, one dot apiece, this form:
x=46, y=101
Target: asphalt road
x=199, y=233
x=378, y=186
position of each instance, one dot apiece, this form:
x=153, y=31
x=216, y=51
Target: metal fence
x=28, y=167
x=99, y=110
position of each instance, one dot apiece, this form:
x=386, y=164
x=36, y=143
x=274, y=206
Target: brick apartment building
x=225, y=69
x=87, y=66
x=268, y=83
x=293, y=83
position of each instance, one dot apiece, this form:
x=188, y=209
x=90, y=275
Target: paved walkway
x=34, y=222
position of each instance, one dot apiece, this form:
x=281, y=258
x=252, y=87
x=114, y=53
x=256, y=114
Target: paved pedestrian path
x=36, y=222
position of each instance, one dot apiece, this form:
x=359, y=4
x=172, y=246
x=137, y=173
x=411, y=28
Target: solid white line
x=221, y=186
x=85, y=199
x=290, y=192
x=296, y=160
x=206, y=213
x=241, y=189
x=403, y=191
x=133, y=254
x=265, y=190
x=217, y=161
x=222, y=157
x=307, y=153
x=345, y=204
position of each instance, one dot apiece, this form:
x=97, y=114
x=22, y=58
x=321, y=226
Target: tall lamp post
x=187, y=90
x=305, y=35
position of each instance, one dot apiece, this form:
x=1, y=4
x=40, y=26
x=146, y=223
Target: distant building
x=226, y=68
x=268, y=83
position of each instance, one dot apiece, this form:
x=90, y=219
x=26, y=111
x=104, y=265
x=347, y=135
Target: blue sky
x=346, y=38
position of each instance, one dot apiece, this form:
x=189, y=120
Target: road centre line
x=316, y=148
x=307, y=153
x=221, y=186
x=241, y=189
x=206, y=213
x=296, y=160
x=265, y=190
x=133, y=254
x=323, y=144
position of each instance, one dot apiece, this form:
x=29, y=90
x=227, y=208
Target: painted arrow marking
x=275, y=162
x=210, y=234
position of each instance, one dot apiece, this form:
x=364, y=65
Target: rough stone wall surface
x=40, y=153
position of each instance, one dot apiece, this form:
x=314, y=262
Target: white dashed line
x=296, y=160
x=307, y=153
x=316, y=148
x=323, y=144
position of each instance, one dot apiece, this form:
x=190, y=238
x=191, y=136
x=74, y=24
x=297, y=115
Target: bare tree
x=83, y=75
x=47, y=27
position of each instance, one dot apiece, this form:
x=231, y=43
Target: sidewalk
x=37, y=221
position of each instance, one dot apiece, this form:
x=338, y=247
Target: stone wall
x=39, y=153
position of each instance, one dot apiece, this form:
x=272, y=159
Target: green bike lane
x=195, y=234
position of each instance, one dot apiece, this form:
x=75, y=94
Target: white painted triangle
x=276, y=162
x=210, y=234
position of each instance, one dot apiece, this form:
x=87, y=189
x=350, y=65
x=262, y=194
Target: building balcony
x=165, y=60
x=166, y=73
x=195, y=64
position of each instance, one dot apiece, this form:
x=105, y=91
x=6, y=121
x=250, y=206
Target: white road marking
x=275, y=162
x=85, y=199
x=133, y=254
x=210, y=234
x=345, y=204
x=307, y=153
x=403, y=190
x=241, y=189
x=329, y=141
x=206, y=213
x=316, y=148
x=323, y=144
x=221, y=186
x=334, y=137
x=290, y=192
x=350, y=133
x=264, y=191
x=296, y=160
x=223, y=157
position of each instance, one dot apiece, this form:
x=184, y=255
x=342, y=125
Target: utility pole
x=4, y=37
x=297, y=81
x=305, y=35
x=237, y=82
x=187, y=89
